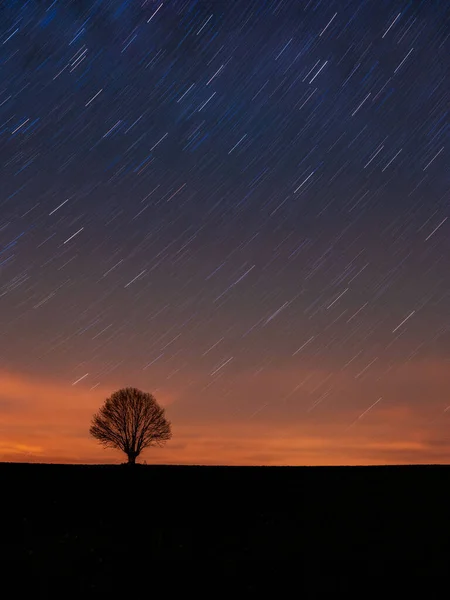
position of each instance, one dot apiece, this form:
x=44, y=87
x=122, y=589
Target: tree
x=130, y=420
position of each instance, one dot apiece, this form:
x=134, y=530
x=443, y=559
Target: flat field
x=81, y=518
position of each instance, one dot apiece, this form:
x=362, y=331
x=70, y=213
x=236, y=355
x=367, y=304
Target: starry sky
x=240, y=206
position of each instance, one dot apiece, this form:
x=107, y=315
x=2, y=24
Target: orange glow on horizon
x=48, y=421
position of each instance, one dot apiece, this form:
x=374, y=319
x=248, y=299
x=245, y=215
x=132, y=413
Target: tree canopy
x=130, y=420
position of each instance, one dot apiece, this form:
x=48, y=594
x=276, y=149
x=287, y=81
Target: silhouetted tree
x=130, y=420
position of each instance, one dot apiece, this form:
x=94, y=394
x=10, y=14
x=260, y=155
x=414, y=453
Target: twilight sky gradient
x=240, y=206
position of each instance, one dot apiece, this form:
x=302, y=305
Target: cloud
x=318, y=394
x=43, y=418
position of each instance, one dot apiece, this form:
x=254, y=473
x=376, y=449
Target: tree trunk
x=131, y=459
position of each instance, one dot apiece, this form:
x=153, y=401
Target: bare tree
x=130, y=420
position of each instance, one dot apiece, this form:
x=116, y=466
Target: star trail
x=239, y=206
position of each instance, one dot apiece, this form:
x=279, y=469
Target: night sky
x=239, y=206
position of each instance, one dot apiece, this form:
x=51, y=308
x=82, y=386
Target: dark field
x=86, y=519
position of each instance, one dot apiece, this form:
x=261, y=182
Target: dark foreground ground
x=84, y=520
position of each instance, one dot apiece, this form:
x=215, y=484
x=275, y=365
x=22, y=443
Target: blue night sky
x=240, y=206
